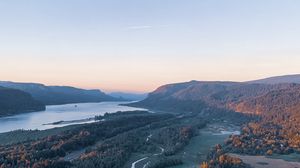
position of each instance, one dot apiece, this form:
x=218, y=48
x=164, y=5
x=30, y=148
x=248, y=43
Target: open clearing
x=264, y=162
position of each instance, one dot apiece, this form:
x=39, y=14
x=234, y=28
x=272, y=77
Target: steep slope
x=128, y=96
x=279, y=79
x=14, y=101
x=51, y=95
x=276, y=105
x=226, y=95
x=278, y=131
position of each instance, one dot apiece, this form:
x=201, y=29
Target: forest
x=107, y=143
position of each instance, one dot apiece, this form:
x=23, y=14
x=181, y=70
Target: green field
x=196, y=150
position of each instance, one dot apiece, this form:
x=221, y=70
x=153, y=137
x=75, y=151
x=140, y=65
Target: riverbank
x=64, y=123
x=60, y=115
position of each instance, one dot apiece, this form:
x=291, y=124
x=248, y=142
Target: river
x=54, y=113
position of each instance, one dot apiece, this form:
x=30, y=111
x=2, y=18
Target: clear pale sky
x=138, y=45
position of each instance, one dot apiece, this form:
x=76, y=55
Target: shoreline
x=62, y=122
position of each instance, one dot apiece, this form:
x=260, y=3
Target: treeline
x=174, y=138
x=109, y=116
x=217, y=158
x=50, y=151
x=264, y=139
x=107, y=144
x=279, y=129
x=167, y=137
x=114, y=152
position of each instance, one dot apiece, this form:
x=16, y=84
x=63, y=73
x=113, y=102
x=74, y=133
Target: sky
x=138, y=45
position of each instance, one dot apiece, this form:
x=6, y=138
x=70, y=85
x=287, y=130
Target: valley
x=184, y=125
x=149, y=84
x=149, y=139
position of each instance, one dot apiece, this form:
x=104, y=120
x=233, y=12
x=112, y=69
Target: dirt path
x=133, y=165
x=263, y=162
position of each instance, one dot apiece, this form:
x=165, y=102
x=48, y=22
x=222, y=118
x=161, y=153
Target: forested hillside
x=278, y=106
x=51, y=95
x=197, y=95
x=14, y=101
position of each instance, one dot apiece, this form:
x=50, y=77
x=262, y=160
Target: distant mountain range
x=14, y=101
x=54, y=95
x=246, y=97
x=128, y=96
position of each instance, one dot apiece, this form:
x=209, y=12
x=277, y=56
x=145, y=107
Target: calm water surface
x=35, y=120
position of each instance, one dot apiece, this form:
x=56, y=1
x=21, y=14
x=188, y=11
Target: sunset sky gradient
x=138, y=45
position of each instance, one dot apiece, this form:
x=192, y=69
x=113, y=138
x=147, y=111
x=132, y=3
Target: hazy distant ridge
x=51, y=95
x=128, y=96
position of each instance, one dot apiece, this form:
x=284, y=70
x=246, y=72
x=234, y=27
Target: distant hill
x=279, y=79
x=198, y=95
x=14, y=101
x=277, y=104
x=128, y=96
x=53, y=95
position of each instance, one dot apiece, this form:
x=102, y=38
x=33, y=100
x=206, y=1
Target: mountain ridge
x=295, y=78
x=55, y=95
x=220, y=94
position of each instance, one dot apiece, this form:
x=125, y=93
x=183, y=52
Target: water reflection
x=36, y=120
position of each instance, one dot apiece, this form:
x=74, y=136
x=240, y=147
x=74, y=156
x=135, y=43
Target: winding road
x=133, y=165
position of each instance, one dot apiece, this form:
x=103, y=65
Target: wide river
x=39, y=120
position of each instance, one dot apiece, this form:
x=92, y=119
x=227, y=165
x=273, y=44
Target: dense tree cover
x=278, y=130
x=108, y=143
x=197, y=95
x=264, y=139
x=109, y=116
x=114, y=152
x=14, y=101
x=217, y=158
x=174, y=138
x=20, y=136
x=169, y=135
x=50, y=150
